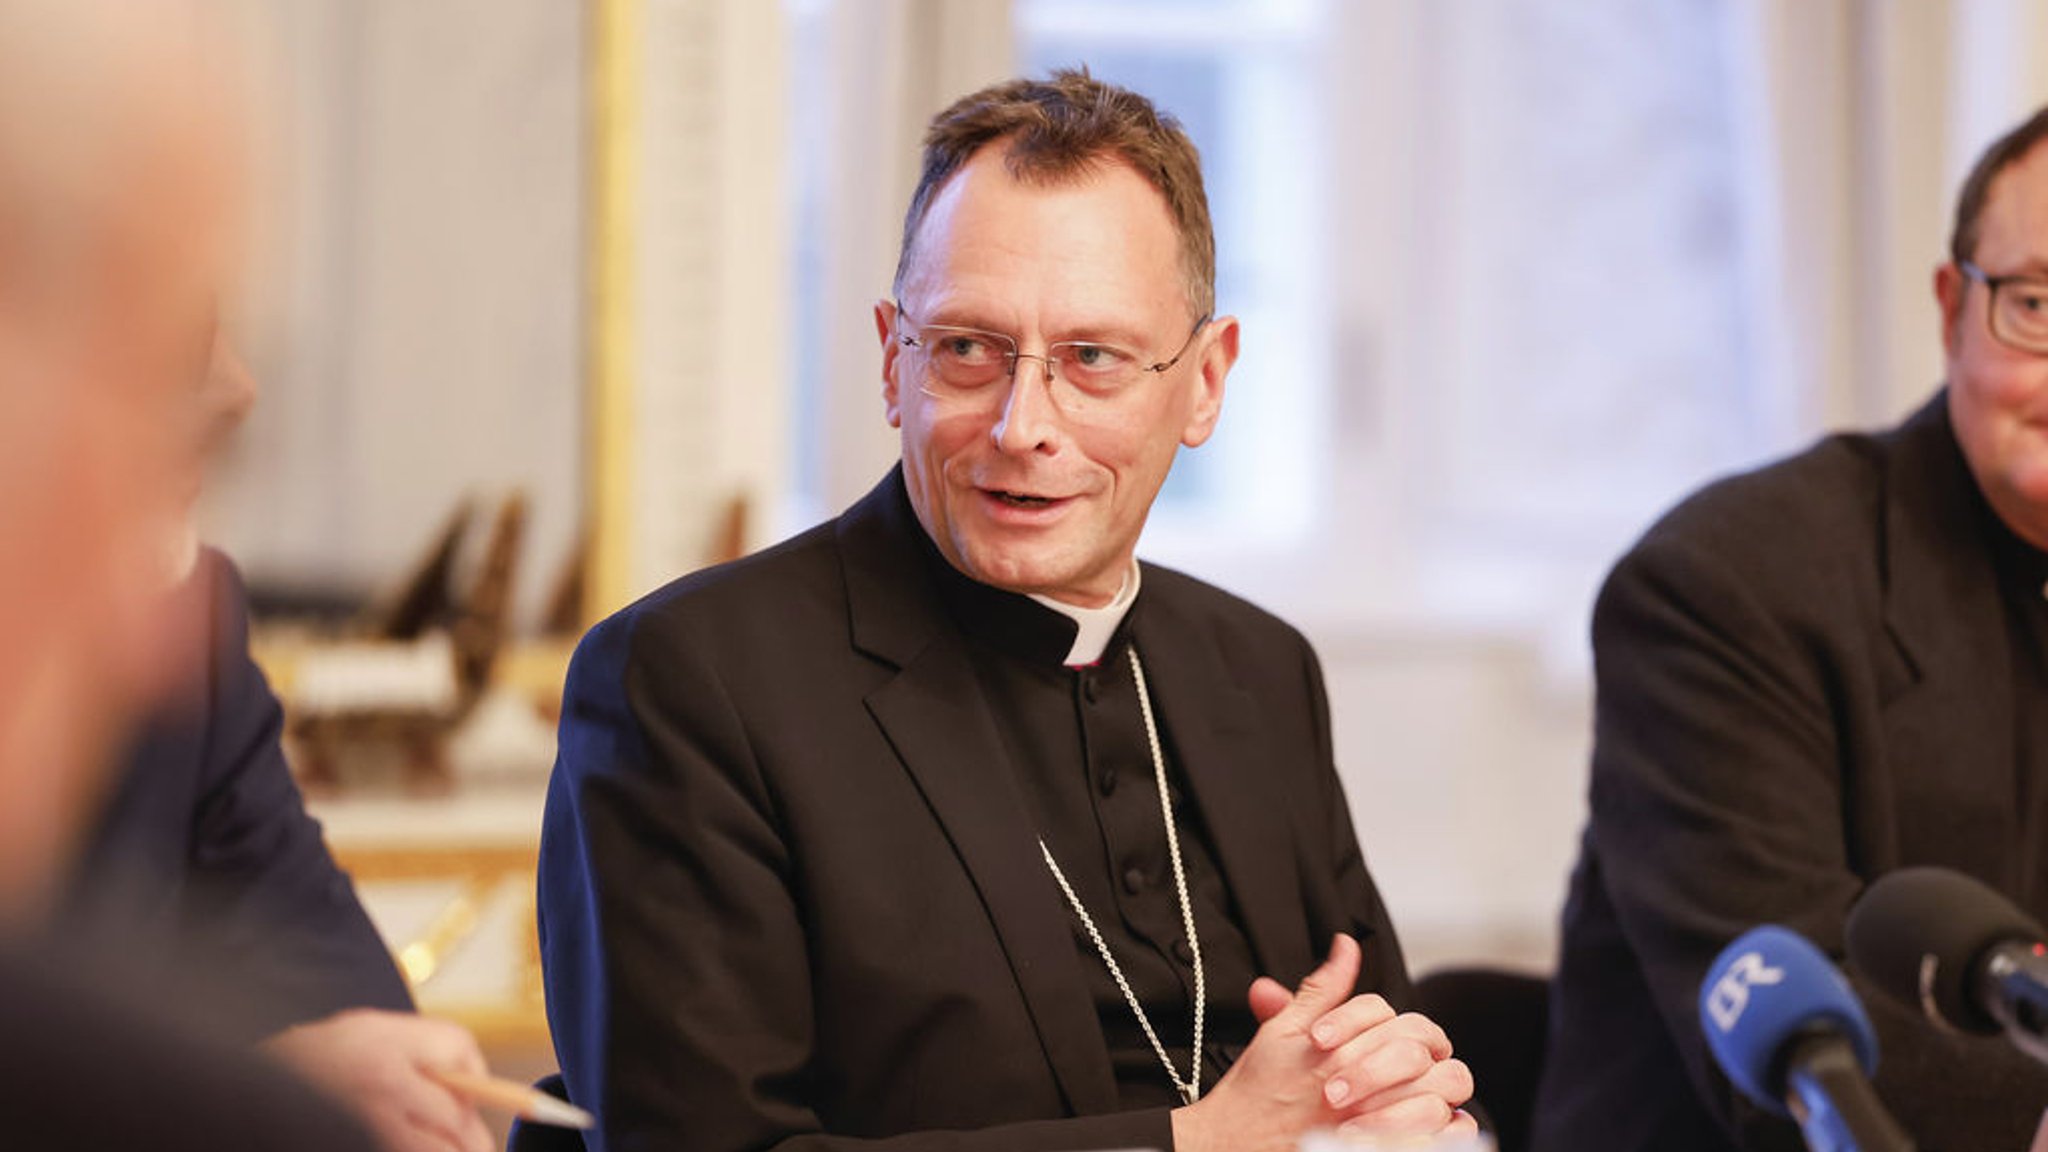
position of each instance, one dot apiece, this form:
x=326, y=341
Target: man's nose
x=1027, y=421
x=230, y=385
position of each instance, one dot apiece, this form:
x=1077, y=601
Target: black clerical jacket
x=790, y=897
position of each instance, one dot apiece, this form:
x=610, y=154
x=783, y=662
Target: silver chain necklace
x=1191, y=1088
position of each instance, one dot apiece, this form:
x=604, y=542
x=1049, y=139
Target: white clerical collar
x=1097, y=625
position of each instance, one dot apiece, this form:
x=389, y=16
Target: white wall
x=417, y=322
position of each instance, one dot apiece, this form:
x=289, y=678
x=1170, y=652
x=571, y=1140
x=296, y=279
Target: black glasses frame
x=1992, y=285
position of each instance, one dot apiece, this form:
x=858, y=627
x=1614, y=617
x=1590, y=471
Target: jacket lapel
x=1949, y=732
x=935, y=717
x=1217, y=743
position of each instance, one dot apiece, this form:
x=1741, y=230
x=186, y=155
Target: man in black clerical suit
x=1811, y=675
x=862, y=839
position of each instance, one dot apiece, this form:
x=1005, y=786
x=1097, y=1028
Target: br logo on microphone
x=1731, y=992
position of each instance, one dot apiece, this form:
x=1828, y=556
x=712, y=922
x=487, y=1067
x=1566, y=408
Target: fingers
x=1323, y=1054
x=1268, y=998
x=450, y=1127
x=1406, y=1056
x=379, y=1062
x=398, y=1132
x=1331, y=984
x=1448, y=1080
x=475, y=1135
x=1385, y=1067
x=441, y=1044
x=1322, y=990
x=1409, y=1027
x=414, y=1112
x=1348, y=1020
x=1416, y=1116
x=430, y=1118
x=432, y=1106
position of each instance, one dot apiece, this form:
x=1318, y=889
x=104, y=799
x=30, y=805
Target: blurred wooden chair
x=414, y=668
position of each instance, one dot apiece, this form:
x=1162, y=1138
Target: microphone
x=1789, y=1032
x=1960, y=952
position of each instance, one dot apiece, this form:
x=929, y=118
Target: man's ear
x=1952, y=292
x=1218, y=352
x=885, y=328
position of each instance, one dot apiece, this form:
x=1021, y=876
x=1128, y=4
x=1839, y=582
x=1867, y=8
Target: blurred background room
x=563, y=298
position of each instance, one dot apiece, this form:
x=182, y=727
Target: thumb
x=1269, y=998
x=1333, y=982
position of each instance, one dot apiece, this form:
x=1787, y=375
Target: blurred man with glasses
x=948, y=824
x=150, y=832
x=1809, y=676
x=116, y=229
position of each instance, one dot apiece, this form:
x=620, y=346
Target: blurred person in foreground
x=110, y=242
x=197, y=855
x=203, y=875
x=1811, y=675
x=948, y=824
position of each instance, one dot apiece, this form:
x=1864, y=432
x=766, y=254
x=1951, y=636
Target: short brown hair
x=2003, y=154
x=1059, y=129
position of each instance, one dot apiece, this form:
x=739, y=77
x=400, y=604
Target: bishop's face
x=1023, y=485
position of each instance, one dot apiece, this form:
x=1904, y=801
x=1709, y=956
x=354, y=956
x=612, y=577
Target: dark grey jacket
x=1804, y=679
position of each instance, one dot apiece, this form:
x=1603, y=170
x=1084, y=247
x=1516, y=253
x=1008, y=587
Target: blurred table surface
x=449, y=882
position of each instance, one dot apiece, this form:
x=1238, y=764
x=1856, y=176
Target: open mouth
x=1021, y=499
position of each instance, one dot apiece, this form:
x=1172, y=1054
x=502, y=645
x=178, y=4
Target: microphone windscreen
x=1916, y=933
x=1766, y=991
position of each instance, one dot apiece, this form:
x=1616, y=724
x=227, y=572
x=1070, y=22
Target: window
x=1241, y=77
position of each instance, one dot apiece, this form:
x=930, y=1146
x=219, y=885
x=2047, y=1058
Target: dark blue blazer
x=81, y=1068
x=204, y=873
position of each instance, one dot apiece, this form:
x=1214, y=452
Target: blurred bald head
x=114, y=243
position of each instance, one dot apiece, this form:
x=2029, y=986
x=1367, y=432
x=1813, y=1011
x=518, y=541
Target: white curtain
x=1856, y=120
x=416, y=321
x=882, y=69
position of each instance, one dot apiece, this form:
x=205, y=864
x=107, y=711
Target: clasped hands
x=1324, y=1058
